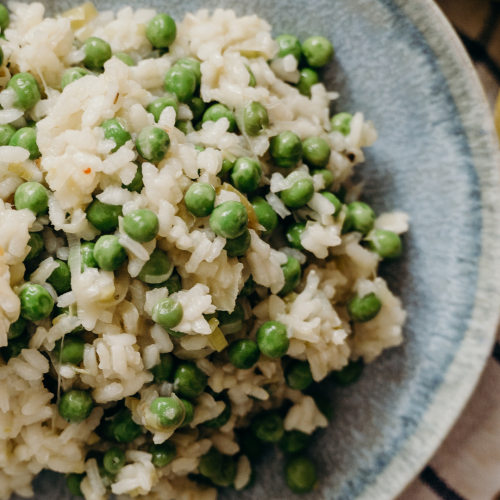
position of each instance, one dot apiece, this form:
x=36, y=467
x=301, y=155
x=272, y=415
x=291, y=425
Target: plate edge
x=478, y=125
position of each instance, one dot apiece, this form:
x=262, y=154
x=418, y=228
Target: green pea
x=60, y=278
x=386, y=243
x=246, y=174
x=292, y=272
x=157, y=106
x=32, y=195
x=249, y=446
x=347, y=224
x=167, y=313
x=107, y=478
x=199, y=149
x=308, y=77
x=289, y=44
x=189, y=380
x=268, y=427
x=286, y=149
x=108, y=253
x=169, y=411
x=341, y=193
x=200, y=199
x=180, y=81
x=122, y=428
x=333, y=200
x=301, y=475
x=175, y=334
x=6, y=133
x=266, y=216
x=316, y=152
x=141, y=225
x=17, y=328
x=293, y=233
x=221, y=420
x=197, y=107
x=255, y=118
x=194, y=65
x=97, y=52
x=299, y=194
x=114, y=131
x=161, y=31
x=298, y=375
x=294, y=441
x=237, y=247
x=87, y=256
x=324, y=406
x=173, y=284
x=211, y=463
x=72, y=349
x=220, y=469
x=229, y=219
x=59, y=311
x=72, y=75
x=74, y=481
x=184, y=126
x=318, y=51
x=231, y=322
x=155, y=269
x=15, y=346
x=102, y=216
x=251, y=82
x=341, y=122
x=272, y=339
x=137, y=182
x=153, y=144
x=362, y=217
x=4, y=18
x=243, y=354
x=36, y=302
x=227, y=165
x=26, y=89
x=114, y=460
x=163, y=454
x=125, y=58
x=164, y=369
x=218, y=111
x=349, y=374
x=363, y=309
x=248, y=288
x=26, y=138
x=327, y=177
x=36, y=246
x=188, y=417
x=75, y=406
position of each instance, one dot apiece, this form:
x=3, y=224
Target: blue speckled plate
x=400, y=63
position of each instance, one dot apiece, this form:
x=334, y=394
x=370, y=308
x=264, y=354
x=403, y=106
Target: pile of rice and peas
x=181, y=250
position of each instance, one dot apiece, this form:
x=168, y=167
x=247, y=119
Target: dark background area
x=478, y=24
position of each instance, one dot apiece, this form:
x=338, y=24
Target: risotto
x=182, y=253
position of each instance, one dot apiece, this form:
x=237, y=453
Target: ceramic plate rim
x=470, y=359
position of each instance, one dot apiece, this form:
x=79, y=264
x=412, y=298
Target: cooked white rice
x=77, y=164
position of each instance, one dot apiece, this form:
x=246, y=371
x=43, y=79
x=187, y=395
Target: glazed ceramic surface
x=400, y=63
